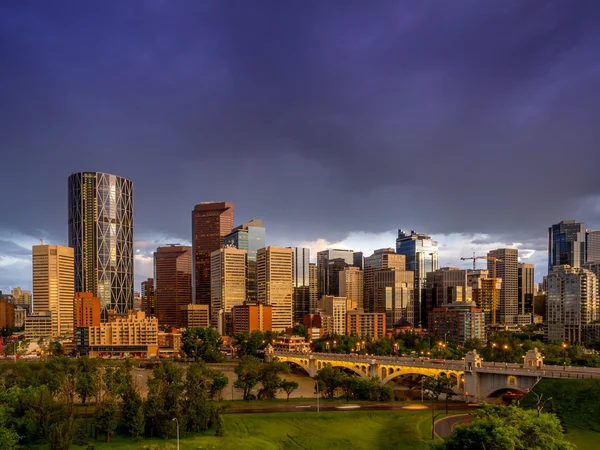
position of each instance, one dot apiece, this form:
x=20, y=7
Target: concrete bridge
x=475, y=380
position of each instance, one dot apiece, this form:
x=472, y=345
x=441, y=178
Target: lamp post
x=564, y=346
x=317, y=383
x=177, y=423
x=505, y=347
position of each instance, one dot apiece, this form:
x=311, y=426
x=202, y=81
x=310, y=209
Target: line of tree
x=253, y=373
x=333, y=382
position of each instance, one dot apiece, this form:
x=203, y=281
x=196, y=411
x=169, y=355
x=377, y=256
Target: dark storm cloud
x=321, y=117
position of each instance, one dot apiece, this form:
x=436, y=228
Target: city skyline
x=314, y=130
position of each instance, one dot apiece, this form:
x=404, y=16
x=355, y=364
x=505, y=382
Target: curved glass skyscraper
x=101, y=233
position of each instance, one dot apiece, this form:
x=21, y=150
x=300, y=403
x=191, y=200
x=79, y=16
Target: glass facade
x=343, y=258
x=592, y=244
x=301, y=282
x=101, y=234
x=566, y=244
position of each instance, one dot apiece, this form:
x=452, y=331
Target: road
x=444, y=427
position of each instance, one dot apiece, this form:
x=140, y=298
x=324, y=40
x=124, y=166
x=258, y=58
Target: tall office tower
x=249, y=236
x=172, y=282
x=592, y=244
x=345, y=257
x=421, y=257
x=53, y=285
x=228, y=272
x=147, y=292
x=21, y=297
x=275, y=285
x=594, y=267
x=334, y=268
x=313, y=297
x=384, y=258
x=446, y=285
x=566, y=244
x=301, y=280
x=486, y=294
x=507, y=269
x=211, y=222
x=526, y=288
x=394, y=295
x=572, y=301
x=86, y=310
x=352, y=285
x=101, y=232
x=359, y=260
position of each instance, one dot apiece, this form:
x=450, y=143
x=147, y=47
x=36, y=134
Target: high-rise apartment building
x=352, y=285
x=343, y=258
x=421, y=257
x=313, y=296
x=101, y=234
x=507, y=269
x=365, y=325
x=252, y=316
x=566, y=244
x=336, y=307
x=571, y=302
x=228, y=271
x=460, y=321
x=86, y=310
x=7, y=314
x=275, y=285
x=22, y=297
x=172, y=282
x=301, y=280
x=211, y=222
x=592, y=246
x=249, y=236
x=394, y=295
x=446, y=285
x=526, y=288
x=195, y=316
x=147, y=293
x=53, y=285
x=486, y=295
x=384, y=258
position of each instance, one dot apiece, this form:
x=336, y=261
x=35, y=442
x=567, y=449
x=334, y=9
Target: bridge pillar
x=533, y=359
x=312, y=367
x=373, y=369
x=471, y=387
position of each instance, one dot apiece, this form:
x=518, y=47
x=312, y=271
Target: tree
x=87, y=371
x=329, y=380
x=248, y=372
x=300, y=330
x=163, y=401
x=288, y=387
x=8, y=436
x=501, y=427
x=202, y=343
x=106, y=417
x=55, y=348
x=131, y=406
x=250, y=343
x=270, y=380
x=349, y=385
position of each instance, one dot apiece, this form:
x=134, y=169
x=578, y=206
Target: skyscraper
x=384, y=258
x=275, y=285
x=53, y=285
x=507, y=269
x=526, y=288
x=22, y=297
x=421, y=257
x=352, y=285
x=172, y=283
x=313, y=299
x=101, y=233
x=211, y=222
x=394, y=295
x=592, y=244
x=147, y=292
x=228, y=271
x=566, y=244
x=345, y=258
x=249, y=236
x=446, y=285
x=301, y=280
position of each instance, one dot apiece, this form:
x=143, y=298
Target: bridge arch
x=298, y=362
x=504, y=389
x=456, y=376
x=359, y=369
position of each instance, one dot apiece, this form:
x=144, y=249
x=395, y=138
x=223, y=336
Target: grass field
x=326, y=430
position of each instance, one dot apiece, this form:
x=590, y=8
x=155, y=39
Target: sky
x=336, y=122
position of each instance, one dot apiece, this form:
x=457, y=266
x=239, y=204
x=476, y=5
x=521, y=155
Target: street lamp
x=564, y=346
x=317, y=383
x=177, y=422
x=505, y=347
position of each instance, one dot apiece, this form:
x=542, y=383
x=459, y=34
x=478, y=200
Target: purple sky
x=334, y=121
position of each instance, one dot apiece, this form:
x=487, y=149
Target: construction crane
x=494, y=261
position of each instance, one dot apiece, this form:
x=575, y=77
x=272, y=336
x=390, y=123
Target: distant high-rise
x=275, y=285
x=421, y=257
x=101, y=233
x=301, y=280
x=21, y=297
x=384, y=258
x=53, y=285
x=172, y=283
x=352, y=285
x=211, y=222
x=526, y=288
x=592, y=244
x=249, y=236
x=86, y=310
x=344, y=258
x=446, y=285
x=147, y=293
x=566, y=244
x=228, y=271
x=394, y=295
x=508, y=270
x=313, y=298
x=359, y=260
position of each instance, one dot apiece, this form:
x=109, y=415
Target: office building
x=421, y=257
x=572, y=302
x=211, y=222
x=526, y=289
x=195, y=316
x=358, y=260
x=384, y=258
x=320, y=321
x=343, y=258
x=486, y=295
x=352, y=285
x=460, y=321
x=336, y=307
x=249, y=236
x=592, y=246
x=172, y=283
x=21, y=297
x=53, y=285
x=365, y=325
x=301, y=281
x=86, y=309
x=147, y=293
x=38, y=325
x=446, y=285
x=566, y=244
x=394, y=295
x=137, y=301
x=228, y=270
x=313, y=296
x=275, y=285
x=507, y=268
x=252, y=316
x=7, y=314
x=19, y=316
x=101, y=234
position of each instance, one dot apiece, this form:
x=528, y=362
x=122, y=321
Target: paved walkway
x=444, y=427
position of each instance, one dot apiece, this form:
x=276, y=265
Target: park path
x=444, y=427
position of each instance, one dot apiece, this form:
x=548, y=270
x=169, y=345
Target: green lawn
x=325, y=430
